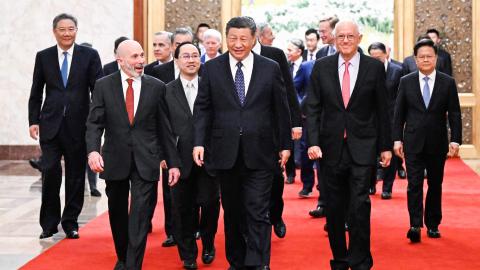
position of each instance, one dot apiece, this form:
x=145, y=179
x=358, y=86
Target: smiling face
x=188, y=60
x=426, y=59
x=347, y=39
x=240, y=42
x=65, y=33
x=325, y=32
x=131, y=58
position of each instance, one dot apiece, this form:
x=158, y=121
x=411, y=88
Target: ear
x=360, y=36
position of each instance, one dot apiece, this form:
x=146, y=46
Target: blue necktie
x=64, y=69
x=426, y=92
x=240, y=83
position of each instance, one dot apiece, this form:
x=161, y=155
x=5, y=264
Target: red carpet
x=306, y=244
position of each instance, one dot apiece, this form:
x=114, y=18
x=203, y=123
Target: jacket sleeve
x=295, y=113
x=313, y=107
x=282, y=111
x=95, y=70
x=96, y=119
x=383, y=116
x=454, y=114
x=202, y=110
x=36, y=92
x=400, y=111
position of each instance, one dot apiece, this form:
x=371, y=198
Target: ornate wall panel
x=467, y=120
x=192, y=12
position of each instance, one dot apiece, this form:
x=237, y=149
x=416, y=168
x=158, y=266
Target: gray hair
x=297, y=43
x=165, y=33
x=63, y=16
x=182, y=31
x=212, y=33
x=351, y=21
x=262, y=26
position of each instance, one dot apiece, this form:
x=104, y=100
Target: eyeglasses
x=342, y=37
x=65, y=30
x=187, y=57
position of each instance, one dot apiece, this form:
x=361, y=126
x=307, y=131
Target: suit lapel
x=250, y=91
x=179, y=94
x=117, y=91
x=336, y=81
x=360, y=77
x=77, y=55
x=436, y=89
x=54, y=60
x=417, y=91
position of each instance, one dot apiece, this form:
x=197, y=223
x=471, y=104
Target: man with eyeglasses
x=426, y=99
x=198, y=185
x=68, y=72
x=347, y=123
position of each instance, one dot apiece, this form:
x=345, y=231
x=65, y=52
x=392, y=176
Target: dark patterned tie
x=240, y=83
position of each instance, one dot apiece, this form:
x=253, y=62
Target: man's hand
x=198, y=155
x=163, y=164
x=296, y=133
x=453, y=149
x=34, y=131
x=385, y=158
x=314, y=152
x=284, y=155
x=95, y=161
x=173, y=176
x=398, y=149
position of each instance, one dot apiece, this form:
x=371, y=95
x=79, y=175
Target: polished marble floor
x=20, y=195
x=20, y=206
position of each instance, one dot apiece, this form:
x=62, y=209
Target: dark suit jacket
x=393, y=75
x=301, y=82
x=278, y=56
x=263, y=117
x=425, y=129
x=181, y=120
x=398, y=63
x=365, y=119
x=443, y=65
x=69, y=104
x=164, y=72
x=148, y=69
x=142, y=141
x=447, y=60
x=305, y=55
x=110, y=68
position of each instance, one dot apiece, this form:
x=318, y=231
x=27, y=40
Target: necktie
x=426, y=92
x=311, y=56
x=240, y=83
x=190, y=96
x=346, y=90
x=292, y=65
x=129, y=101
x=332, y=50
x=64, y=69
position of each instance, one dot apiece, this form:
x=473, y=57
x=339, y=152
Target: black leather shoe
x=318, y=212
x=120, y=265
x=372, y=190
x=169, y=242
x=95, y=193
x=304, y=193
x=290, y=180
x=47, y=234
x=433, y=233
x=280, y=229
x=414, y=234
x=386, y=195
x=401, y=173
x=190, y=264
x=35, y=163
x=208, y=256
x=73, y=234
x=197, y=235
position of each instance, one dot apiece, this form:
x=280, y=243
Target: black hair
x=117, y=42
x=423, y=43
x=433, y=30
x=177, y=50
x=242, y=22
x=377, y=46
x=312, y=31
x=63, y=16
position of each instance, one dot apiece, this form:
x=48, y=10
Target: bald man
x=348, y=121
x=127, y=106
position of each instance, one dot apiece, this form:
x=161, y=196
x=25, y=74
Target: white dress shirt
x=208, y=58
x=312, y=55
x=353, y=69
x=136, y=85
x=176, y=69
x=247, y=68
x=61, y=57
x=190, y=92
x=257, y=48
x=296, y=65
x=431, y=81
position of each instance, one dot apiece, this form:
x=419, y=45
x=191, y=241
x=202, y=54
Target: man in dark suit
x=441, y=53
x=162, y=50
x=378, y=51
x=348, y=124
x=265, y=34
x=128, y=107
x=112, y=67
x=68, y=72
x=212, y=41
x=242, y=115
x=197, y=185
x=168, y=72
x=276, y=203
x=325, y=29
x=425, y=99
x=311, y=41
x=410, y=65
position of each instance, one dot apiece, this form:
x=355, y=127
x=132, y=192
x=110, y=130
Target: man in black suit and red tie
x=426, y=99
x=241, y=113
x=348, y=124
x=68, y=72
x=129, y=108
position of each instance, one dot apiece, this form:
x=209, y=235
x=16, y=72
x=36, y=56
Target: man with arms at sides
x=410, y=64
x=68, y=72
x=128, y=107
x=425, y=99
x=348, y=124
x=325, y=29
x=441, y=53
x=393, y=74
x=112, y=67
x=241, y=113
x=168, y=72
x=311, y=40
x=197, y=185
x=295, y=50
x=212, y=41
x=265, y=34
x=162, y=43
x=276, y=203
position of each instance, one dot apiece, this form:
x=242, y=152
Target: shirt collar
x=248, y=61
x=69, y=51
x=312, y=53
x=386, y=65
x=124, y=76
x=257, y=48
x=354, y=62
x=185, y=81
x=431, y=76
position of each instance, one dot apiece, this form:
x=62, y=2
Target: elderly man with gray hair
x=212, y=41
x=265, y=34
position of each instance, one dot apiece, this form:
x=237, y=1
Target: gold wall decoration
x=189, y=13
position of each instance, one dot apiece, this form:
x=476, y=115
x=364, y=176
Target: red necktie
x=346, y=90
x=129, y=101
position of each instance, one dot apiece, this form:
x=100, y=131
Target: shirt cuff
x=297, y=129
x=398, y=143
x=455, y=143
